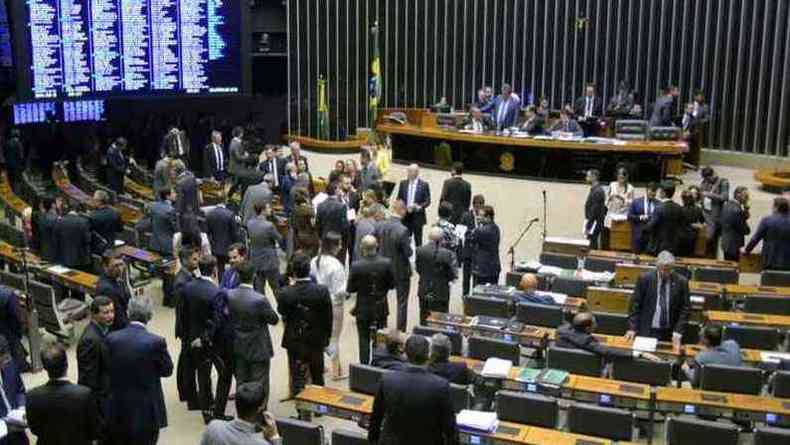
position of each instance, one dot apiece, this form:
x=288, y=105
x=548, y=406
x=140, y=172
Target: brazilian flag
x=374, y=86
x=323, y=110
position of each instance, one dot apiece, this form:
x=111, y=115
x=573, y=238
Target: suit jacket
x=485, y=241
x=236, y=432
x=453, y=372
x=182, y=318
x=485, y=121
x=276, y=168
x=413, y=407
x=734, y=226
x=92, y=362
x=568, y=337
x=773, y=231
x=117, y=164
x=163, y=227
x=533, y=125
x=264, y=239
x=10, y=324
x=643, y=303
x=581, y=105
x=458, y=192
x=332, y=216
x=572, y=126
x=663, y=111
x=369, y=176
x=290, y=158
x=306, y=310
x=120, y=296
x=720, y=191
x=73, y=239
x=512, y=108
x=384, y=360
x=240, y=160
x=223, y=230
x=250, y=317
x=215, y=165
x=138, y=361
x=485, y=106
x=202, y=300
x=437, y=268
x=107, y=223
x=46, y=233
x=371, y=278
x=595, y=210
x=187, y=194
x=635, y=210
x=395, y=244
x=258, y=194
x=15, y=392
x=422, y=198
x=161, y=177
x=470, y=221
x=666, y=228
x=62, y=413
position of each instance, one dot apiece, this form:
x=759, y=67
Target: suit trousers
x=402, y=288
x=466, y=277
x=595, y=240
x=732, y=256
x=185, y=377
x=435, y=306
x=415, y=230
x=202, y=359
x=249, y=371
x=364, y=330
x=712, y=246
x=267, y=276
x=223, y=362
x=301, y=364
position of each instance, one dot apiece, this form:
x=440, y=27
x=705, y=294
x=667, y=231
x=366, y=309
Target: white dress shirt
x=331, y=274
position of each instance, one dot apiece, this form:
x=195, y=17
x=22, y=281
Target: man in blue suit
x=138, y=361
x=774, y=232
x=416, y=194
x=237, y=255
x=14, y=392
x=639, y=214
x=506, y=108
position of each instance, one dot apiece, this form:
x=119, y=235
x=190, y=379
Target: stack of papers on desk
x=497, y=368
x=58, y=269
x=645, y=344
x=773, y=357
x=476, y=420
x=550, y=270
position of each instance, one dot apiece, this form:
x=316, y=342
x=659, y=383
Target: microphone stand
x=33, y=335
x=512, y=249
x=545, y=217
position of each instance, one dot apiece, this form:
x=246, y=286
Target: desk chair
x=631, y=129
x=456, y=339
x=600, y=421
x=493, y=307
x=365, y=378
x=737, y=379
x=575, y=361
x=49, y=317
x=690, y=431
x=775, y=278
x=561, y=260
x=781, y=385
x=643, y=371
x=536, y=314
x=10, y=279
x=483, y=348
x=767, y=305
x=766, y=435
x=600, y=264
x=611, y=324
x=12, y=235
x=527, y=408
x=570, y=287
x=460, y=397
x=752, y=337
x=716, y=275
x=299, y=432
x=341, y=436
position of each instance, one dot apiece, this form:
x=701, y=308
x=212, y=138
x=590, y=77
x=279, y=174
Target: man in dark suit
x=237, y=255
x=639, y=213
x=73, y=239
x=163, y=224
x=185, y=374
x=370, y=278
x=274, y=165
x=250, y=315
x=11, y=324
x=393, y=238
x=223, y=230
x=306, y=310
x=105, y=222
x=715, y=192
x=241, y=164
x=664, y=108
x=92, y=359
x=470, y=220
x=668, y=222
x=485, y=239
x=506, y=108
x=594, y=209
x=369, y=174
x=138, y=361
x=117, y=165
x=332, y=216
x=215, y=164
x=415, y=403
x=458, y=192
x=256, y=194
x=14, y=395
x=660, y=305
x=14, y=154
x=416, y=194
x=533, y=122
x=48, y=247
x=578, y=335
x=484, y=101
x=390, y=355
x=477, y=121
x=113, y=286
x=187, y=189
x=297, y=158
x=59, y=412
x=734, y=225
x=774, y=232
x=264, y=239
x=588, y=110
x=436, y=266
x=567, y=124
x=440, y=364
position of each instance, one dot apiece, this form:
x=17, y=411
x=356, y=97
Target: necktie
x=178, y=144
x=410, y=198
x=218, y=154
x=588, y=112
x=662, y=303
x=274, y=173
x=501, y=116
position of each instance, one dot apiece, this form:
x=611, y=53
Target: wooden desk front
x=12, y=202
x=74, y=279
x=769, y=410
x=763, y=320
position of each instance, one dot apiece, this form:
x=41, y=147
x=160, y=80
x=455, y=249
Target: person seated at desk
x=715, y=352
x=588, y=109
x=533, y=124
x=390, y=356
x=578, y=335
x=484, y=102
x=528, y=287
x=566, y=124
x=453, y=372
x=477, y=121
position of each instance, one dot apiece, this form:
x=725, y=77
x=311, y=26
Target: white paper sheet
x=497, y=368
x=645, y=344
x=477, y=420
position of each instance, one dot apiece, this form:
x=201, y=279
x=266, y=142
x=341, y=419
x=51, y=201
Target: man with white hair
x=660, y=305
x=437, y=268
x=214, y=160
x=297, y=158
x=416, y=194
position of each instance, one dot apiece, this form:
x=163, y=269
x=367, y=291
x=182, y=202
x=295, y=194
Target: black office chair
x=570, y=287
x=527, y=408
x=341, y=436
x=737, y=379
x=365, y=378
x=691, y=333
x=631, y=129
x=575, y=361
x=599, y=421
x=611, y=324
x=766, y=435
x=716, y=275
x=767, y=305
x=460, y=397
x=537, y=314
x=298, y=432
x=781, y=384
x=483, y=348
x=493, y=307
x=752, y=337
x=690, y=431
x=14, y=280
x=643, y=371
x=561, y=260
x=775, y=278
x=456, y=339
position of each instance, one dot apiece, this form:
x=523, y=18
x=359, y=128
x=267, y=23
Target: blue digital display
x=35, y=113
x=6, y=59
x=68, y=111
x=83, y=48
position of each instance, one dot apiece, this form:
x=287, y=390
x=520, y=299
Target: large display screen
x=82, y=48
x=56, y=111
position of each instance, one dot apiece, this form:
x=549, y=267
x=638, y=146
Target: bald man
x=371, y=278
x=437, y=268
x=416, y=194
x=528, y=283
x=578, y=335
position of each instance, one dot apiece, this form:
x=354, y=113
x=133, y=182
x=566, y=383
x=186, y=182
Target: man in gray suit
x=163, y=223
x=715, y=191
x=264, y=240
x=257, y=194
x=162, y=175
x=241, y=164
x=664, y=108
x=437, y=267
x=395, y=244
x=369, y=174
x=243, y=431
x=250, y=315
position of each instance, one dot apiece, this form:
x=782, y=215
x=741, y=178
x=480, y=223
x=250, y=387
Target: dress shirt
x=276, y=176
x=661, y=308
x=501, y=112
x=588, y=108
x=331, y=274
x=411, y=193
x=220, y=159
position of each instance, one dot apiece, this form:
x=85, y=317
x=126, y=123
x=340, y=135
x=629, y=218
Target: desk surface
x=129, y=214
x=740, y=402
x=649, y=259
x=767, y=320
x=338, y=398
x=71, y=278
x=11, y=200
x=139, y=190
